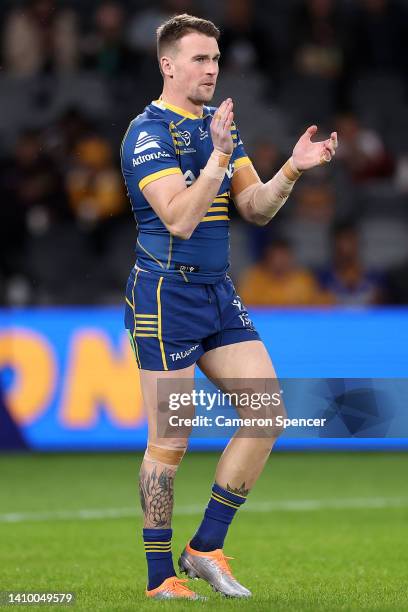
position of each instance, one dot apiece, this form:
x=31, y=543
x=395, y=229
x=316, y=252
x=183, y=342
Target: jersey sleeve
x=241, y=179
x=148, y=153
x=239, y=156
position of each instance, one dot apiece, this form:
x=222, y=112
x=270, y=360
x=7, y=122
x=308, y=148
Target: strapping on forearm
x=217, y=165
x=266, y=199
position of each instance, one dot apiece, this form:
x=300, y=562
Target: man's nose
x=212, y=68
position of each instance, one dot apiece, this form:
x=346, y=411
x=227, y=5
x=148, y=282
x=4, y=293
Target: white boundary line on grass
x=296, y=505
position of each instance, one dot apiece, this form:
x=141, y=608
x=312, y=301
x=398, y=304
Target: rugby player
x=184, y=164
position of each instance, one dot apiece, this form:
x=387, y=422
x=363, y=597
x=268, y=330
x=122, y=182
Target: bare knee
x=261, y=447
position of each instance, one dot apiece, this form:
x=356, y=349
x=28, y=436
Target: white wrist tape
x=217, y=165
x=268, y=198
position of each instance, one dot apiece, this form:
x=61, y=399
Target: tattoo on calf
x=156, y=496
x=238, y=490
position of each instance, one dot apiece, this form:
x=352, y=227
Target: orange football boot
x=173, y=588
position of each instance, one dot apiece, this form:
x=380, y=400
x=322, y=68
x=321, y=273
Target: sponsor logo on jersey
x=244, y=317
x=186, y=267
x=141, y=159
x=189, y=178
x=230, y=170
x=146, y=141
x=187, y=150
x=237, y=302
x=203, y=133
x=183, y=354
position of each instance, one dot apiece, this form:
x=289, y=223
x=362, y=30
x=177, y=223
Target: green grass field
x=319, y=532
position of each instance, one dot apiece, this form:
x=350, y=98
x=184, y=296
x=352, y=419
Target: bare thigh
x=244, y=366
x=240, y=360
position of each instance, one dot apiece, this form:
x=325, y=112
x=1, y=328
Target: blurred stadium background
x=75, y=72
x=326, y=284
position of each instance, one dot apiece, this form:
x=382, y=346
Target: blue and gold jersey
x=166, y=140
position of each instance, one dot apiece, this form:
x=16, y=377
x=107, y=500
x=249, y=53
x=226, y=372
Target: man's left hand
x=308, y=154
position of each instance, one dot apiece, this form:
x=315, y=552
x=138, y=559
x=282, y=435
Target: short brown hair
x=178, y=26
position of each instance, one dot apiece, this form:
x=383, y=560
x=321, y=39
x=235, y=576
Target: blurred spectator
x=105, y=49
x=141, y=37
x=40, y=37
x=314, y=201
x=61, y=138
x=334, y=42
x=362, y=151
x=33, y=193
x=312, y=210
x=143, y=26
x=242, y=44
x=378, y=38
x=316, y=42
x=277, y=281
x=94, y=184
x=347, y=281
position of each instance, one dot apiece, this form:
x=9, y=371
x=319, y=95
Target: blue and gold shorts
x=172, y=324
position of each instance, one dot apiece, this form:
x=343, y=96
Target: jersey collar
x=176, y=109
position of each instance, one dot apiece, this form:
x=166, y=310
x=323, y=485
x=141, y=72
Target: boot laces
x=177, y=586
x=223, y=561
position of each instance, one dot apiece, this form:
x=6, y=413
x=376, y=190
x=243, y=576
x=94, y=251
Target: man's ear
x=167, y=66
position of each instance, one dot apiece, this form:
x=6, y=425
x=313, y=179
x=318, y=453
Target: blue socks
x=219, y=513
x=157, y=543
x=210, y=535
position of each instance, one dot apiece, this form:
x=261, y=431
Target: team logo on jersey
x=186, y=137
x=145, y=141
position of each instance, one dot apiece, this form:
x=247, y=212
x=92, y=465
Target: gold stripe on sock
x=153, y=549
x=226, y=503
x=230, y=501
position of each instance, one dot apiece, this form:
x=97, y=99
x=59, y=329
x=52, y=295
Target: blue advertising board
x=69, y=379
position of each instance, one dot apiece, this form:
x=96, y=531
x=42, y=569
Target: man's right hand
x=221, y=127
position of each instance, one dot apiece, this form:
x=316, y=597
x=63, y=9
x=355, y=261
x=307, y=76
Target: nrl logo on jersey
x=145, y=141
x=203, y=133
